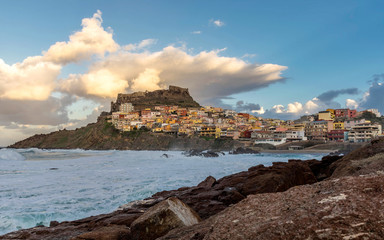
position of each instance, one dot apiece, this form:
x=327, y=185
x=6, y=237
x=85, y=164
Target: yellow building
x=338, y=125
x=218, y=133
x=332, y=111
x=325, y=115
x=208, y=132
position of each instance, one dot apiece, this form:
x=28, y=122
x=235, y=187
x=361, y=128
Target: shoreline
x=308, y=151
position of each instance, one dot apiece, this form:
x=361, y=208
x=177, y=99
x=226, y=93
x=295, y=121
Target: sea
x=38, y=186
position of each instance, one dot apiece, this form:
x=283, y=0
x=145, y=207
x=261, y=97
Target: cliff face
x=140, y=100
x=103, y=136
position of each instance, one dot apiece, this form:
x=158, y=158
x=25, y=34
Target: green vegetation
x=372, y=117
x=218, y=143
x=135, y=132
x=110, y=129
x=62, y=141
x=207, y=138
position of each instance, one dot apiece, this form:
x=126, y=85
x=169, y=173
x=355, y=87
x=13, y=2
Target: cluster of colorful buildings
x=330, y=125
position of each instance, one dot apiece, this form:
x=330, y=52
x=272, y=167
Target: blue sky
x=316, y=47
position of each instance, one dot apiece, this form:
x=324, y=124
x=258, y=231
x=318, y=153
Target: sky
x=63, y=62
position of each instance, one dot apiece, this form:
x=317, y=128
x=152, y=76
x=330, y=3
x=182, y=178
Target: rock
x=114, y=232
x=53, y=223
x=346, y=208
x=207, y=183
x=209, y=154
x=141, y=100
x=321, y=169
x=211, y=196
x=194, y=152
x=241, y=150
x=139, y=204
x=163, y=217
x=365, y=160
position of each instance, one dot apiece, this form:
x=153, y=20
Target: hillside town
x=339, y=125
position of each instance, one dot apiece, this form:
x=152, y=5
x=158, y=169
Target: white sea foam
x=36, y=188
x=10, y=154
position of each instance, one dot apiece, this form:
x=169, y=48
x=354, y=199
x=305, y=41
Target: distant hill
x=103, y=136
x=141, y=100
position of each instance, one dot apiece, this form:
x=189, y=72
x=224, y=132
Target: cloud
x=295, y=107
x=218, y=23
x=332, y=94
x=320, y=103
x=196, y=32
x=374, y=97
x=100, y=82
x=91, y=40
x=207, y=74
x=352, y=104
x=32, y=79
x=260, y=111
x=247, y=107
x=248, y=55
x=141, y=45
x=34, y=112
x=147, y=80
x=35, y=77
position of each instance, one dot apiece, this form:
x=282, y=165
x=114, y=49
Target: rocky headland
x=335, y=198
x=103, y=136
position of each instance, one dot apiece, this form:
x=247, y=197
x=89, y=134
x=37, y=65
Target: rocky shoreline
x=335, y=198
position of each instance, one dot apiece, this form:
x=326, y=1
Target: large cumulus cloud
x=92, y=39
x=207, y=74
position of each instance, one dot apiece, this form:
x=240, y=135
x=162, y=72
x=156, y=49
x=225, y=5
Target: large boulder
x=163, y=217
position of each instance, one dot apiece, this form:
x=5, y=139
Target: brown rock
x=208, y=201
x=163, y=217
x=321, y=169
x=367, y=159
x=346, y=208
x=207, y=183
x=113, y=232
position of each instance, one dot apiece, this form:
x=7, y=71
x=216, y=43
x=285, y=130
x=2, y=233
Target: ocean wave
x=10, y=155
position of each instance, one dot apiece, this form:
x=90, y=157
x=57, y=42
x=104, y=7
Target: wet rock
x=163, y=217
x=241, y=150
x=199, y=153
x=209, y=154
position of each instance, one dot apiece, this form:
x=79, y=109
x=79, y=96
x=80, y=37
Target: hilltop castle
x=141, y=100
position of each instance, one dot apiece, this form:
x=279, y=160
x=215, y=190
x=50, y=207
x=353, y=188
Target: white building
x=364, y=132
x=295, y=135
x=126, y=107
